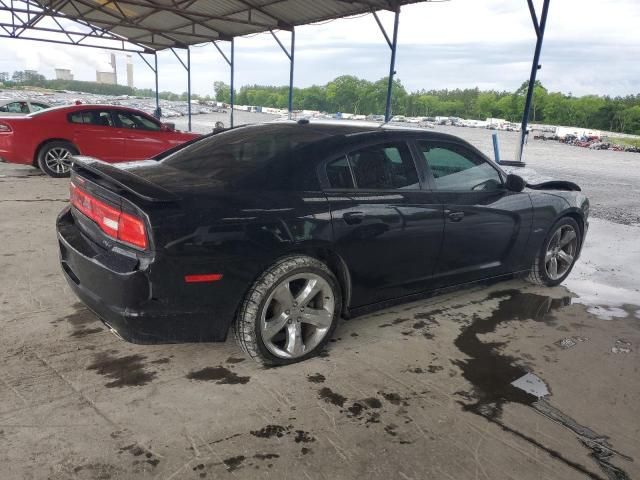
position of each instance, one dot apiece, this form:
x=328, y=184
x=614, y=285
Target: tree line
x=351, y=94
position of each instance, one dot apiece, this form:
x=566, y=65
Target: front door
x=486, y=225
x=95, y=135
x=143, y=135
x=386, y=228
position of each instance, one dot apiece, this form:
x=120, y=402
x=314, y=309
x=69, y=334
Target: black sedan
x=278, y=230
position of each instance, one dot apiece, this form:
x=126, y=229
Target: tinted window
x=92, y=117
x=455, y=168
x=134, y=120
x=36, y=107
x=339, y=173
x=382, y=167
x=15, y=107
x=262, y=155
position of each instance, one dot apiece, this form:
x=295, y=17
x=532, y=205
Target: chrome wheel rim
x=297, y=315
x=58, y=160
x=561, y=252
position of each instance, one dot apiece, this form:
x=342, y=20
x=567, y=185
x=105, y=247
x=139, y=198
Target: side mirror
x=515, y=183
x=168, y=127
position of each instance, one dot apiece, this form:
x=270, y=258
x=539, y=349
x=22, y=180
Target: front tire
x=558, y=254
x=54, y=158
x=290, y=312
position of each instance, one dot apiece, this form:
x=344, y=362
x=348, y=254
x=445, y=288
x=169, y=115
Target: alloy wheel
x=561, y=252
x=58, y=160
x=297, y=315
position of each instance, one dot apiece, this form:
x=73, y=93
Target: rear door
x=386, y=228
x=144, y=137
x=94, y=133
x=486, y=225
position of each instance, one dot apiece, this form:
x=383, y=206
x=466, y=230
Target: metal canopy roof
x=159, y=24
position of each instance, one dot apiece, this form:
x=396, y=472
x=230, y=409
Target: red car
x=50, y=137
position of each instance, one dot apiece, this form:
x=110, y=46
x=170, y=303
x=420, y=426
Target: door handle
x=353, y=218
x=455, y=216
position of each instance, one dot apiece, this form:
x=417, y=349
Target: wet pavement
x=490, y=382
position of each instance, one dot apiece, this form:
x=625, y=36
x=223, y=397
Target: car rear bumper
x=120, y=294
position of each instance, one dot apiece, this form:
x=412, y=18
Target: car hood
x=537, y=181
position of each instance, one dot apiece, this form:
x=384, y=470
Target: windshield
x=256, y=152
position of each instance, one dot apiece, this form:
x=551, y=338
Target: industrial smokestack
x=129, y=72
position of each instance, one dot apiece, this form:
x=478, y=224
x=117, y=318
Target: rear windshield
x=238, y=156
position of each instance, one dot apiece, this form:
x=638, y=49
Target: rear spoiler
x=555, y=185
x=123, y=178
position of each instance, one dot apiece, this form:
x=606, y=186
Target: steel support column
x=189, y=85
x=232, y=93
x=157, y=113
x=155, y=71
x=290, y=55
x=187, y=67
x=535, y=66
x=230, y=62
x=291, y=64
x=393, y=44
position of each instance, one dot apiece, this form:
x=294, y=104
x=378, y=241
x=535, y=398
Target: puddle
x=498, y=379
x=219, y=374
x=490, y=372
x=125, y=371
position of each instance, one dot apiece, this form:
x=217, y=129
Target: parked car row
x=49, y=138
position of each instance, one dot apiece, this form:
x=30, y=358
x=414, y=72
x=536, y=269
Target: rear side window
x=257, y=156
x=92, y=117
x=378, y=167
x=36, y=107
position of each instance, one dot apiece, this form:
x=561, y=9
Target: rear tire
x=558, y=254
x=290, y=312
x=54, y=158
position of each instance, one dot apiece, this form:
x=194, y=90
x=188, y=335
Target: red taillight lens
x=112, y=220
x=4, y=128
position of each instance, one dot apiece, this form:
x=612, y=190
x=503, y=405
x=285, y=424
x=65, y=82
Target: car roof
x=352, y=129
x=84, y=106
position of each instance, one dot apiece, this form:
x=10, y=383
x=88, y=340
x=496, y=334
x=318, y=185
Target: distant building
x=108, y=78
x=129, y=72
x=63, y=74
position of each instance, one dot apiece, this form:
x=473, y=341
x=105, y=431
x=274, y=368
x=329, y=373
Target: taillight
x=4, y=128
x=112, y=220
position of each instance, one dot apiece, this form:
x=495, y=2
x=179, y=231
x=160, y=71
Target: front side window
x=136, y=121
x=377, y=167
x=15, y=107
x=455, y=168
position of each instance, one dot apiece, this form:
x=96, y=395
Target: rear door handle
x=455, y=216
x=353, y=218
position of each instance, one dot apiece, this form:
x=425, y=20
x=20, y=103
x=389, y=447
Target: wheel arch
x=41, y=145
x=576, y=215
x=337, y=265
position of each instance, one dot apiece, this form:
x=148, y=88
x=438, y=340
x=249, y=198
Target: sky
x=591, y=47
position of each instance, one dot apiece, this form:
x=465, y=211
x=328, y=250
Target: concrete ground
x=417, y=391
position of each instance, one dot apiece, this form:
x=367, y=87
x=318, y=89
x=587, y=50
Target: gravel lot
x=412, y=392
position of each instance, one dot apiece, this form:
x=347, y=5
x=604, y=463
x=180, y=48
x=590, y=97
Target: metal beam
x=232, y=93
x=535, y=66
x=291, y=56
x=392, y=63
x=291, y=65
x=189, y=85
x=187, y=67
